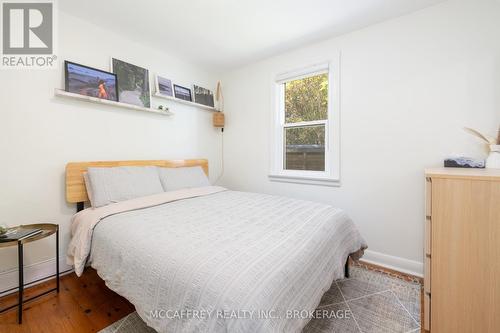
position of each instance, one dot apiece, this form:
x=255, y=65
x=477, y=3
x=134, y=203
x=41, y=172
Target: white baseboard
x=396, y=263
x=33, y=272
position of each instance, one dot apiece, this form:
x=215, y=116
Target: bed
x=208, y=259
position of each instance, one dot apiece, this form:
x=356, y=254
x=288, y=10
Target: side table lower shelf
x=20, y=254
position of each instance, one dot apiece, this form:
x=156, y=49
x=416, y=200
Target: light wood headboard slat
x=75, y=185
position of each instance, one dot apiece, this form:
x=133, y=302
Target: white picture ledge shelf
x=64, y=93
x=181, y=101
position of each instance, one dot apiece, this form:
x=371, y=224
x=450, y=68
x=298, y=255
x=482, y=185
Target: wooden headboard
x=75, y=185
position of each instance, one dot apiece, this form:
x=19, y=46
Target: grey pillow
x=88, y=187
x=110, y=185
x=186, y=177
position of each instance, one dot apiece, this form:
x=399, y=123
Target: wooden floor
x=83, y=305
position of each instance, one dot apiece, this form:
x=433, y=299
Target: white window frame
x=331, y=175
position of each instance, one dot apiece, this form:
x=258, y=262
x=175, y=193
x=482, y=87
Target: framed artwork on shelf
x=90, y=81
x=183, y=93
x=203, y=96
x=164, y=86
x=133, y=83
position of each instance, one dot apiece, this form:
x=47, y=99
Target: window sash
x=310, y=123
x=323, y=70
x=284, y=125
x=285, y=148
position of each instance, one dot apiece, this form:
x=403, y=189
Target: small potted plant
x=163, y=108
x=3, y=229
x=493, y=160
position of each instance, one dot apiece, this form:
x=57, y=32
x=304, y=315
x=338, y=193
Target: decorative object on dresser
x=133, y=83
x=463, y=162
x=462, y=233
x=89, y=81
x=493, y=160
x=27, y=234
x=182, y=93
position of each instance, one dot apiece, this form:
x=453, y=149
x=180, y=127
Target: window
x=306, y=129
x=306, y=114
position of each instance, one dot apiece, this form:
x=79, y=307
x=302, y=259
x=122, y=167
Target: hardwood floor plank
x=110, y=311
x=83, y=305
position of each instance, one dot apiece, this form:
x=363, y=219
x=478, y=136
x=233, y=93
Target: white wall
x=40, y=133
x=408, y=86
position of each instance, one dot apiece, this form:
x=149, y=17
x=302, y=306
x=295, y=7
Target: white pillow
x=117, y=184
x=186, y=177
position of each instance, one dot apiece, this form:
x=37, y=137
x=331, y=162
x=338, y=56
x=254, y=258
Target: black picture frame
x=183, y=93
x=91, y=89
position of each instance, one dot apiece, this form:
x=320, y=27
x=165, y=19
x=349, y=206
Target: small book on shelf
x=19, y=234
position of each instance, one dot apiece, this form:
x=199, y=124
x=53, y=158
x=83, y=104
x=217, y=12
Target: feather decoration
x=219, y=97
x=486, y=139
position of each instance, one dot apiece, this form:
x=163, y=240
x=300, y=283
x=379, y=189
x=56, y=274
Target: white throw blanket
x=212, y=260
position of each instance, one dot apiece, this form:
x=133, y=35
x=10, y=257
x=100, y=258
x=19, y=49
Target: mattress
x=213, y=260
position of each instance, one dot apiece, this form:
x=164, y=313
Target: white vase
x=493, y=160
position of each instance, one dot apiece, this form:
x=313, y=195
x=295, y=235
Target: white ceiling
x=228, y=33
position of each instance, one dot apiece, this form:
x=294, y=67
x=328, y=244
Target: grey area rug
x=375, y=303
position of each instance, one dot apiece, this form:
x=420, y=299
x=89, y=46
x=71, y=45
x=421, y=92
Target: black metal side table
x=47, y=230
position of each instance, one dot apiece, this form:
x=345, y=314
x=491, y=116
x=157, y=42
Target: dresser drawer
x=427, y=312
x=427, y=275
x=428, y=235
x=428, y=197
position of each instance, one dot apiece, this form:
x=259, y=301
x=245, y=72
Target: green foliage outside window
x=306, y=100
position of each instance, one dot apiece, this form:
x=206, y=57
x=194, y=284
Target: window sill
x=322, y=181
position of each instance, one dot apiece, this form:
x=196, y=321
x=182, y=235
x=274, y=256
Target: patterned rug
x=377, y=302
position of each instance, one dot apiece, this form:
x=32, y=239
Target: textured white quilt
x=214, y=260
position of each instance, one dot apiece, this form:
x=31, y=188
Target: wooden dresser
x=462, y=251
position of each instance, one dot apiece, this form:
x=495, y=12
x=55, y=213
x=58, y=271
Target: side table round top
x=47, y=230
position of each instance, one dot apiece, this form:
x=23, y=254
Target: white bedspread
x=212, y=260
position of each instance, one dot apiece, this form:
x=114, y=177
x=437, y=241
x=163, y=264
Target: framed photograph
x=164, y=86
x=203, y=96
x=88, y=81
x=182, y=93
x=133, y=83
